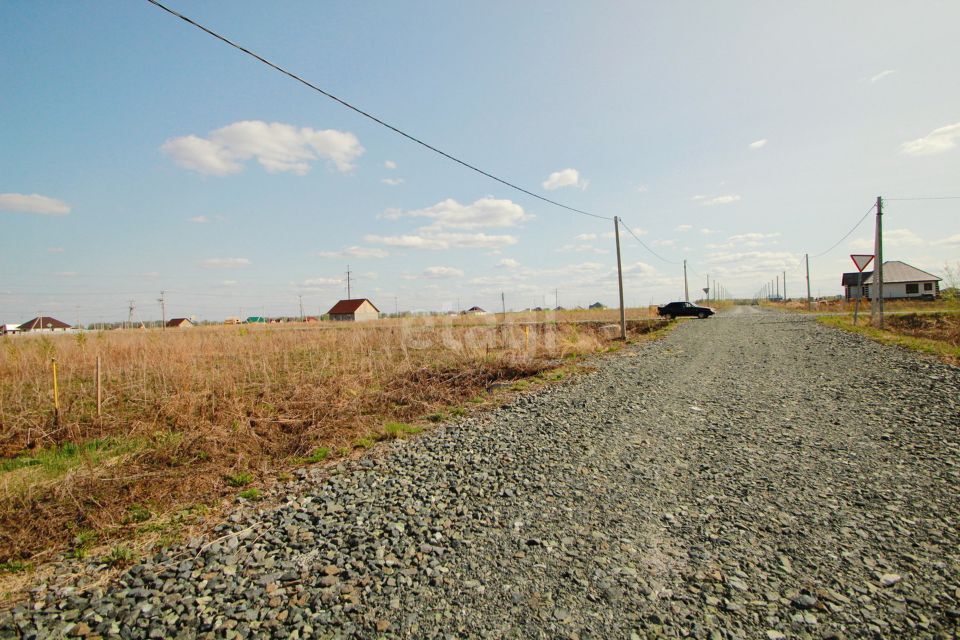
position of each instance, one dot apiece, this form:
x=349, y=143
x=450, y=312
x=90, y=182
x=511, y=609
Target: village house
x=183, y=323
x=900, y=280
x=9, y=329
x=358, y=310
x=475, y=311
x=44, y=324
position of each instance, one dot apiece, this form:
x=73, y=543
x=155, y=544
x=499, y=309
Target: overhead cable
x=643, y=244
x=368, y=115
x=847, y=235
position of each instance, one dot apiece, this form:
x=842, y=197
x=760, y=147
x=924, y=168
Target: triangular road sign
x=861, y=260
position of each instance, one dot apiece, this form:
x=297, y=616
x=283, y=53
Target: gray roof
x=851, y=279
x=896, y=271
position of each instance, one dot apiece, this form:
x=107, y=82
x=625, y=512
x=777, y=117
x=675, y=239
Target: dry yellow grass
x=189, y=415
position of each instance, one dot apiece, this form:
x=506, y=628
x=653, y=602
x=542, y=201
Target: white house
x=10, y=329
x=900, y=281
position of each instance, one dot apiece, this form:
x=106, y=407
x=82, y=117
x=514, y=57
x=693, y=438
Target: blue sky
x=138, y=154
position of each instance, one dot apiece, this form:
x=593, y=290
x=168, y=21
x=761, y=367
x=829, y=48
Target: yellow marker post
x=56, y=389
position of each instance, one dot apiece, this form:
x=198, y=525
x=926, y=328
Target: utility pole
x=806, y=257
x=878, y=264
x=130, y=308
x=707, y=290
x=556, y=299
x=686, y=290
x=778, y=286
x=163, y=310
x=349, y=297
x=784, y=286
x=300, y=297
x=623, y=317
x=503, y=303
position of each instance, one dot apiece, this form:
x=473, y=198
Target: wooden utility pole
x=806, y=257
x=503, y=304
x=300, y=297
x=623, y=316
x=878, y=264
x=784, y=286
x=163, y=310
x=686, y=290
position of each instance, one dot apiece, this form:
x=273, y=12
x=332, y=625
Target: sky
x=139, y=154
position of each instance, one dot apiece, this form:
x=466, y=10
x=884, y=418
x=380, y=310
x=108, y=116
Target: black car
x=677, y=309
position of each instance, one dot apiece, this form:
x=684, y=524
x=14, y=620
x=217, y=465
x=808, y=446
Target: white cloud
x=439, y=241
x=355, y=252
x=450, y=214
x=664, y=243
x=390, y=164
x=392, y=182
x=321, y=283
x=33, y=203
x=564, y=178
x=225, y=263
x=441, y=272
x=149, y=274
x=508, y=263
x=950, y=240
x=708, y=201
x=586, y=237
x=199, y=219
x=54, y=249
x=705, y=231
x=752, y=239
x=937, y=141
x=581, y=248
x=758, y=144
x=880, y=76
x=892, y=238
x=683, y=227
x=278, y=147
x=229, y=283
x=642, y=188
x=753, y=261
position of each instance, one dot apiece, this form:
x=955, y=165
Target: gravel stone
x=751, y=475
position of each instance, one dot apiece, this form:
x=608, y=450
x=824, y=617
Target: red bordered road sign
x=861, y=260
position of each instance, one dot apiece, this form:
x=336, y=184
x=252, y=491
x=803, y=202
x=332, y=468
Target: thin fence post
x=99, y=388
x=56, y=392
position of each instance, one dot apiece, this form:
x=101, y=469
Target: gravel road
x=754, y=475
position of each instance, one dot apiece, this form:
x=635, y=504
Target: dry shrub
x=183, y=408
x=934, y=326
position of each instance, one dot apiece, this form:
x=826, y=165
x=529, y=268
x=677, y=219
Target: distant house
x=256, y=320
x=182, y=323
x=44, y=323
x=900, y=280
x=9, y=329
x=233, y=320
x=475, y=311
x=359, y=310
x=598, y=305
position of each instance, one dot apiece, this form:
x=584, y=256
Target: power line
x=847, y=235
x=370, y=116
x=926, y=198
x=643, y=244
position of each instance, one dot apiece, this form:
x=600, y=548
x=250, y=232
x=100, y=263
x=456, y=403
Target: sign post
x=861, y=260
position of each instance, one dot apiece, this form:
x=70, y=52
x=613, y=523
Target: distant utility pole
x=806, y=257
x=623, y=317
x=78, y=318
x=707, y=290
x=349, y=297
x=131, y=305
x=163, y=310
x=878, y=264
x=556, y=298
x=301, y=307
x=778, y=286
x=503, y=303
x=784, y=285
x=686, y=289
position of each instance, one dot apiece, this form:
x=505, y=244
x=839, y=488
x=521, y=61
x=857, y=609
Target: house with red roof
x=359, y=310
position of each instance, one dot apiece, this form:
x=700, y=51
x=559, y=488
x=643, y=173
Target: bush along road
x=754, y=475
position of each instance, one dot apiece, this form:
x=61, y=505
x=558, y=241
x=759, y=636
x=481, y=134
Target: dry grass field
x=189, y=416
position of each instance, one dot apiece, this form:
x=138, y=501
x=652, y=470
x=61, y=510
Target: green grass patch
x=119, y=556
x=318, y=455
x=884, y=336
x=400, y=429
x=477, y=400
x=439, y=416
x=364, y=443
x=250, y=494
x=14, y=566
x=56, y=461
x=239, y=479
x=138, y=513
